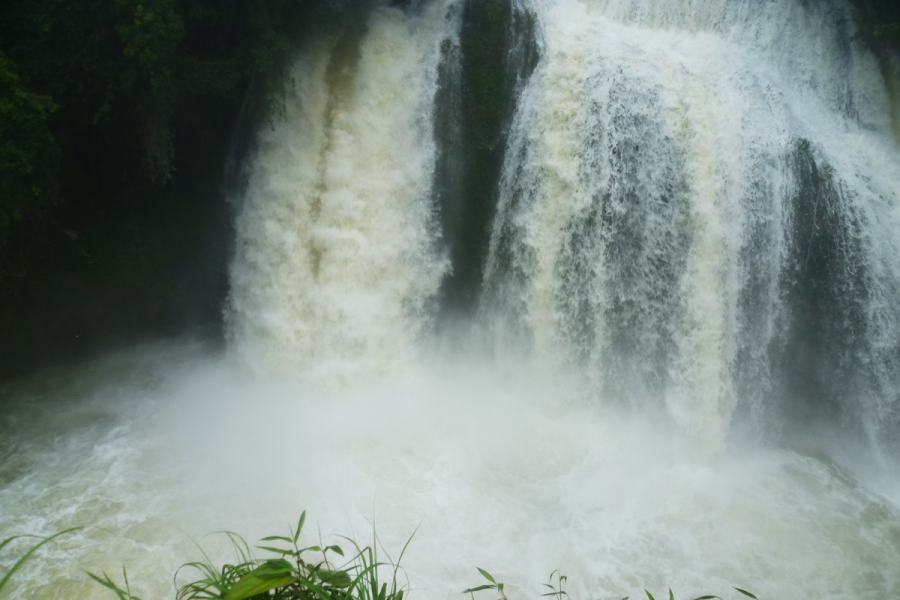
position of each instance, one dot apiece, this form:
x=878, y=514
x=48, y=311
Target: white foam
x=497, y=471
x=647, y=188
x=336, y=254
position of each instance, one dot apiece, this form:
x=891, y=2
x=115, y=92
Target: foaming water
x=497, y=470
x=698, y=204
x=336, y=256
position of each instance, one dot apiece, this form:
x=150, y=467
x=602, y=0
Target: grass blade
x=281, y=551
x=486, y=575
x=13, y=538
x=300, y=526
x=108, y=583
x=33, y=549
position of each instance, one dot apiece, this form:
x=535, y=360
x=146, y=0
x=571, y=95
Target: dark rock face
x=480, y=78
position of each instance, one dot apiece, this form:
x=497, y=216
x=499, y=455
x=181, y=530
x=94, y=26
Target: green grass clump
x=295, y=575
x=292, y=576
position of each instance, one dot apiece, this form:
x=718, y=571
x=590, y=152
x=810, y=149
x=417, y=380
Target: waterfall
x=690, y=207
x=337, y=255
x=698, y=212
x=604, y=286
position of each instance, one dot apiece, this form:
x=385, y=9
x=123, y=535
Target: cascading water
x=698, y=195
x=336, y=254
x=680, y=230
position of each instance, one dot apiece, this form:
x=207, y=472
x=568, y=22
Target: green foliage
x=889, y=30
x=123, y=70
x=28, y=159
x=492, y=585
x=291, y=576
x=151, y=33
x=557, y=591
x=107, y=582
x=294, y=576
x=117, y=118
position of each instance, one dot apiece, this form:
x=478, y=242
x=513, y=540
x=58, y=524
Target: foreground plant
x=108, y=583
x=30, y=552
x=295, y=576
x=287, y=578
x=557, y=591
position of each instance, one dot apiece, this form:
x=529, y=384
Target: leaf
x=317, y=589
x=275, y=566
x=10, y=539
x=33, y=549
x=707, y=598
x=649, y=595
x=277, y=537
x=746, y=593
x=275, y=550
x=336, y=549
x=478, y=589
x=671, y=595
x=259, y=581
x=486, y=575
x=335, y=578
x=300, y=526
x=108, y=583
x=402, y=553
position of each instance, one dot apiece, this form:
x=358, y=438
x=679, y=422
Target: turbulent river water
x=682, y=368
